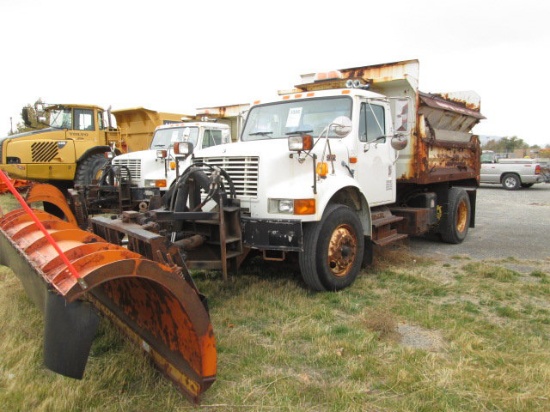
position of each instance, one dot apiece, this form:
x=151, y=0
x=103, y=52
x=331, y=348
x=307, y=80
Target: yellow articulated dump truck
x=71, y=150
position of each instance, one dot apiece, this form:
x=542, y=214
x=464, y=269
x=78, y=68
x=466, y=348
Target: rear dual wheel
x=333, y=250
x=456, y=221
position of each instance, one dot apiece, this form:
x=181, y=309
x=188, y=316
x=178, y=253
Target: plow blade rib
x=149, y=301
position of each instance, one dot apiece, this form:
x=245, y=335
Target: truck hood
x=24, y=134
x=256, y=148
x=141, y=154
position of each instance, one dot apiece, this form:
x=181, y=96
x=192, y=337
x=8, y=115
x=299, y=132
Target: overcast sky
x=175, y=56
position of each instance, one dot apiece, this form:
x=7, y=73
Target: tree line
x=505, y=145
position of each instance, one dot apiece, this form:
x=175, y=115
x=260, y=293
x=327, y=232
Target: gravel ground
x=508, y=224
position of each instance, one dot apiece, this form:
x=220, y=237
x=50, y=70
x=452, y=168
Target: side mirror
x=26, y=117
x=341, y=126
x=399, y=141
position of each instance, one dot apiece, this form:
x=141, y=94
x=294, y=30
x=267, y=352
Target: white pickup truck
x=510, y=173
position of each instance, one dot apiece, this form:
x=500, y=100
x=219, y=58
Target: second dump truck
x=72, y=149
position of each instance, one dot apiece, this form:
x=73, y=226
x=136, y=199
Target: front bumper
x=286, y=235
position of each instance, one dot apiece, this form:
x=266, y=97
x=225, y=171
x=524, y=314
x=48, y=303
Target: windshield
x=164, y=138
x=281, y=119
x=61, y=119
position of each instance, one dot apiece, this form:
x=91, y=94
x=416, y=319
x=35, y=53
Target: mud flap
x=69, y=331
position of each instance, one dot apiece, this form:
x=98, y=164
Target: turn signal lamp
x=322, y=169
x=300, y=143
x=304, y=206
x=172, y=165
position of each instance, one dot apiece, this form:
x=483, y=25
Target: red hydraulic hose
x=50, y=239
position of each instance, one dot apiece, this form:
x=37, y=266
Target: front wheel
x=511, y=181
x=333, y=250
x=90, y=169
x=455, y=223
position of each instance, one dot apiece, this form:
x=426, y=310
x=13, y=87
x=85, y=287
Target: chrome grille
x=243, y=171
x=43, y=152
x=134, y=165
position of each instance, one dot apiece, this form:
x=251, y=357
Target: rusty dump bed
x=151, y=302
x=442, y=147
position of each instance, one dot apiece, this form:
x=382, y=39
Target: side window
x=372, y=122
x=100, y=122
x=83, y=119
x=211, y=138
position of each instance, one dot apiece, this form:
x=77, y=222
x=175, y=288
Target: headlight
x=292, y=206
x=155, y=182
x=299, y=143
x=183, y=148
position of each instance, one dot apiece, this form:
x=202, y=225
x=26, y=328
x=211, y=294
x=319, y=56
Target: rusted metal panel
x=442, y=145
x=467, y=105
x=153, y=303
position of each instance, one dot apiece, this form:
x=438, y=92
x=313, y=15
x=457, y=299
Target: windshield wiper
x=299, y=132
x=259, y=133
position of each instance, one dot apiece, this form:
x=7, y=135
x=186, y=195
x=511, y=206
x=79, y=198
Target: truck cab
x=158, y=165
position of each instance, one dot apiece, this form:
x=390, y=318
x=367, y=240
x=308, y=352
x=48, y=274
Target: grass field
x=412, y=334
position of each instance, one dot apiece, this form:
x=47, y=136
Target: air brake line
x=49, y=237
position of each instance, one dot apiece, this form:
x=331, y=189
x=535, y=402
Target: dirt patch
x=419, y=338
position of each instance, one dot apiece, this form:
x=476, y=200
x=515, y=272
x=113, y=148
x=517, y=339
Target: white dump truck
x=349, y=159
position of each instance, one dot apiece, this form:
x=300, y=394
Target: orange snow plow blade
x=154, y=303
x=40, y=192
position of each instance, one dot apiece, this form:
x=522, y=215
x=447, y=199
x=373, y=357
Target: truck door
x=376, y=170
x=489, y=172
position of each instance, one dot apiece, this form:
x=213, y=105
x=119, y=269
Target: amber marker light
x=304, y=206
x=353, y=160
x=322, y=169
x=172, y=165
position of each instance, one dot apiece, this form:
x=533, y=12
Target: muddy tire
x=511, y=181
x=89, y=169
x=333, y=250
x=456, y=221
